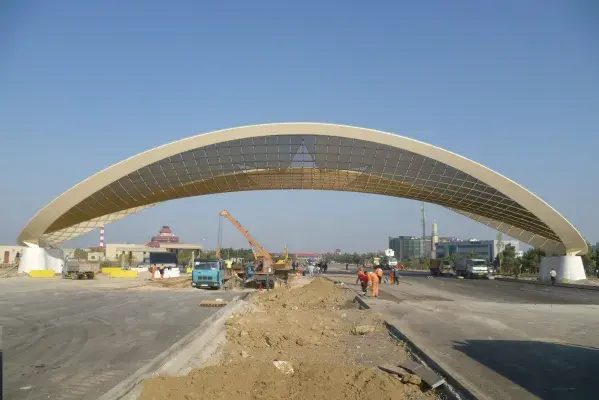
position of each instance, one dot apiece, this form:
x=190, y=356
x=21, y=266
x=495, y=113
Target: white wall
x=568, y=268
x=38, y=258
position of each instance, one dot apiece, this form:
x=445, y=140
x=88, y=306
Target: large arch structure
x=304, y=156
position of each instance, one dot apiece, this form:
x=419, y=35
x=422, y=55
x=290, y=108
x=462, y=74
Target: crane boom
x=248, y=236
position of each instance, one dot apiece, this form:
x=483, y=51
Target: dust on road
x=313, y=329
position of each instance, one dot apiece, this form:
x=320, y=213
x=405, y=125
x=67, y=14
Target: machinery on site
x=75, y=269
x=440, y=267
x=208, y=273
x=264, y=274
x=470, y=267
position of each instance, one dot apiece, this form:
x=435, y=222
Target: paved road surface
x=505, y=340
x=76, y=340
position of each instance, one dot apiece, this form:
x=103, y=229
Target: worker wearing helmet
x=373, y=281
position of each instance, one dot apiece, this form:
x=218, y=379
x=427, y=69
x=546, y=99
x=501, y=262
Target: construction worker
x=379, y=274
x=396, y=274
x=373, y=281
x=363, y=279
x=553, y=275
x=392, y=276
x=153, y=271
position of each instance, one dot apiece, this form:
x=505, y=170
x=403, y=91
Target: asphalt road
x=77, y=341
x=504, y=340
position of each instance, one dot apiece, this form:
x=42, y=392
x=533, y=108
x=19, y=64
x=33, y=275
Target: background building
x=165, y=241
x=407, y=247
x=9, y=253
x=165, y=235
x=486, y=249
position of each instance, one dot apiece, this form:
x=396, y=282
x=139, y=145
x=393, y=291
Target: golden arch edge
x=304, y=156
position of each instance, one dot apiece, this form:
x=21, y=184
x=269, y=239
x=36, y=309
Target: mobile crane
x=260, y=254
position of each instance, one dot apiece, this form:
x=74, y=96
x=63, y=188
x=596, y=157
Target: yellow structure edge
x=42, y=273
x=123, y=274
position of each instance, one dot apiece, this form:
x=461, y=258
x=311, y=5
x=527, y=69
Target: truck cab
x=208, y=274
x=471, y=267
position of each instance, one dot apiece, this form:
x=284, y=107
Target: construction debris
x=363, y=329
x=213, y=303
x=428, y=376
x=284, y=366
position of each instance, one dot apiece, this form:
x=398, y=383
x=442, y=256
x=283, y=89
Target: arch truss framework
x=304, y=156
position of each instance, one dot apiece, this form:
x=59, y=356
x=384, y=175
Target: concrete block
x=42, y=273
x=123, y=274
x=109, y=270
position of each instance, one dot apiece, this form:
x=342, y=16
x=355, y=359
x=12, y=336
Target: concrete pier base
x=568, y=268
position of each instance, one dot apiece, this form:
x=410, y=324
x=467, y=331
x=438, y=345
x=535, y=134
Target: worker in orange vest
x=373, y=281
x=379, y=273
x=363, y=279
x=153, y=271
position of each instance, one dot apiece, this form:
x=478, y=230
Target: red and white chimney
x=102, y=237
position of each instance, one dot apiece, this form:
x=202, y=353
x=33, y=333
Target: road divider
x=42, y=273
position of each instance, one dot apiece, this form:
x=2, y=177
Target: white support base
x=38, y=258
x=568, y=268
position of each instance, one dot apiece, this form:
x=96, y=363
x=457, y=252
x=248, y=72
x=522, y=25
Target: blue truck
x=208, y=274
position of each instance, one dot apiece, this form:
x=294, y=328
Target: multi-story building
x=407, y=247
x=486, y=249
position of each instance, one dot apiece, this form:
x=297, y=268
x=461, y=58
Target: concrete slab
x=78, y=341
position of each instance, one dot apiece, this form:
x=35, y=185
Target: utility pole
x=423, y=224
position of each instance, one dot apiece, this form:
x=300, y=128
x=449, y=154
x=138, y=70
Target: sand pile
x=309, y=329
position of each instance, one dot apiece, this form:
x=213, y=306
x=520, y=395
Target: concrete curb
x=455, y=387
x=564, y=285
x=128, y=386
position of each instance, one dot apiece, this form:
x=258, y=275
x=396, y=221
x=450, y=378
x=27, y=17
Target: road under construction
x=501, y=340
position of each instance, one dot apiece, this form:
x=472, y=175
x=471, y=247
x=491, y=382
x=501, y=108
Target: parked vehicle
x=208, y=274
x=440, y=267
x=471, y=267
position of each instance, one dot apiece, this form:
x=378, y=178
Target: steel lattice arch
x=311, y=156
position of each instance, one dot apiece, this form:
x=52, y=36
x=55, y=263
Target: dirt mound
x=319, y=294
x=171, y=283
x=250, y=380
x=333, y=351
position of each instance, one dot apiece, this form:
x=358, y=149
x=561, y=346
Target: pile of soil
x=183, y=282
x=251, y=380
x=313, y=329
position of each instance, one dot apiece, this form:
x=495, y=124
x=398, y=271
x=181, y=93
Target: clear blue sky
x=511, y=84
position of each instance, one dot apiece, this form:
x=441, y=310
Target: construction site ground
x=65, y=339
x=312, y=329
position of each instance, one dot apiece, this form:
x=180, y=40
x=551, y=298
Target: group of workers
x=372, y=279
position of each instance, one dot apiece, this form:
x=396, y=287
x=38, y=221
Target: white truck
x=471, y=267
x=392, y=261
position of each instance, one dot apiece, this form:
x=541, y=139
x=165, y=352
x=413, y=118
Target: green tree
x=510, y=263
x=531, y=260
x=80, y=254
x=473, y=254
x=499, y=251
x=589, y=260
x=185, y=257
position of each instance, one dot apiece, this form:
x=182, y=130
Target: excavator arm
x=248, y=237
